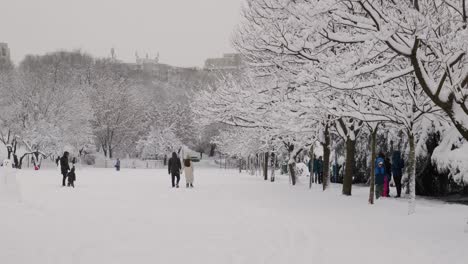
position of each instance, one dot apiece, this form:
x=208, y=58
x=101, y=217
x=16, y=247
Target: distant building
x=4, y=51
x=229, y=61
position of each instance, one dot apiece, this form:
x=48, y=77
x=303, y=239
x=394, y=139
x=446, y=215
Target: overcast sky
x=184, y=32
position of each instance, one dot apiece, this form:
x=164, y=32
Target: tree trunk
x=104, y=150
x=348, y=177
x=412, y=174
x=292, y=173
x=265, y=171
x=326, y=158
x=372, y=167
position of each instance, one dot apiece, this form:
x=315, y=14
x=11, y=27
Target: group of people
x=67, y=171
x=174, y=167
x=384, y=170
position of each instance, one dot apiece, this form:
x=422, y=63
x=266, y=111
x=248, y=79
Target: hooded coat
x=379, y=171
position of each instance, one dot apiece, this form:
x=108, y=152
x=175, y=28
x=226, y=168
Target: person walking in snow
x=397, y=169
x=318, y=170
x=72, y=175
x=117, y=164
x=64, y=166
x=379, y=175
x=188, y=170
x=174, y=167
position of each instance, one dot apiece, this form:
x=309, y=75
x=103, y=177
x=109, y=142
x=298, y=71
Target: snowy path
x=134, y=217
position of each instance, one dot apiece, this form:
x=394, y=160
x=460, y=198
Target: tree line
x=330, y=73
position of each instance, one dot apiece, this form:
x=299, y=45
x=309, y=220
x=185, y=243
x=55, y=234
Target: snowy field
x=135, y=217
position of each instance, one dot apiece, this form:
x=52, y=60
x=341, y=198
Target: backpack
x=187, y=162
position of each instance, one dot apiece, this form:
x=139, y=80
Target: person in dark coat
x=71, y=175
x=379, y=175
x=117, y=164
x=64, y=166
x=397, y=169
x=174, y=167
x=318, y=170
x=388, y=177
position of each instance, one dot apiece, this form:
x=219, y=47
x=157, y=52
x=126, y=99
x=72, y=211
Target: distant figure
x=397, y=169
x=117, y=164
x=379, y=175
x=71, y=175
x=165, y=159
x=64, y=166
x=318, y=170
x=174, y=168
x=188, y=170
x=57, y=160
x=388, y=177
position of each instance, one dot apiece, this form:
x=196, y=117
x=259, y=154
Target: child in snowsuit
x=71, y=175
x=379, y=176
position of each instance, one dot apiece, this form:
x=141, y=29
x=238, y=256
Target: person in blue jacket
x=379, y=175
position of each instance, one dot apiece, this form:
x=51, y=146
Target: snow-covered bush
x=452, y=156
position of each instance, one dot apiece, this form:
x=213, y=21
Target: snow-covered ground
x=133, y=216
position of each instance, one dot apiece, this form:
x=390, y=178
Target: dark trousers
x=378, y=190
x=318, y=177
x=64, y=174
x=174, y=177
x=397, y=180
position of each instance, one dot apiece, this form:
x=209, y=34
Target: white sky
x=184, y=32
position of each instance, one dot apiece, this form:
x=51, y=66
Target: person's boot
x=191, y=185
x=187, y=185
x=177, y=186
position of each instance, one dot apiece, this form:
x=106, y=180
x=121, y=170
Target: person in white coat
x=188, y=171
x=9, y=189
